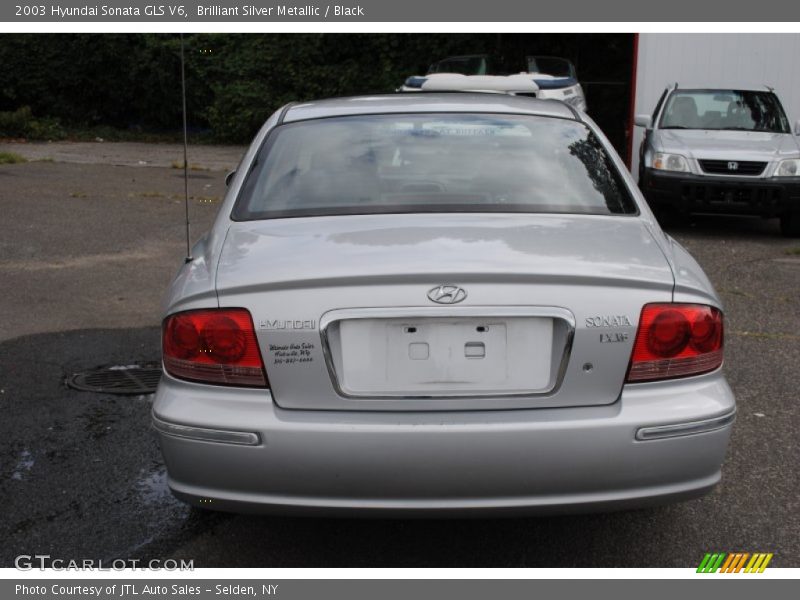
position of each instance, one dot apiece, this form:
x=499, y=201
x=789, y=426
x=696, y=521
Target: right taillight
x=216, y=346
x=676, y=340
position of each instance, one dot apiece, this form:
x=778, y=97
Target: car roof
x=428, y=102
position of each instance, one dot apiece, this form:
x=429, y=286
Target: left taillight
x=216, y=346
x=676, y=340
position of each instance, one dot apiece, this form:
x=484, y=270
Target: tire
x=790, y=224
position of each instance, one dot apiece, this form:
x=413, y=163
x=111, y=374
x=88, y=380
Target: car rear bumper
x=444, y=463
x=716, y=194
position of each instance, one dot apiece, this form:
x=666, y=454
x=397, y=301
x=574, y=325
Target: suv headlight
x=670, y=162
x=788, y=168
x=576, y=101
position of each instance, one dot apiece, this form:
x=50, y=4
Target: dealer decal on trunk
x=290, y=354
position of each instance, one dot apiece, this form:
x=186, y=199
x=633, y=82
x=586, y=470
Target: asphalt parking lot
x=86, y=252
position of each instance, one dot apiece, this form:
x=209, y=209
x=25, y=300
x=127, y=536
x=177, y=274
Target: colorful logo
x=735, y=562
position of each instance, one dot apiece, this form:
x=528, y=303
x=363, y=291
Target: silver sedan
x=439, y=304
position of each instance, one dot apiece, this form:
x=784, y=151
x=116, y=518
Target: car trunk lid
x=346, y=321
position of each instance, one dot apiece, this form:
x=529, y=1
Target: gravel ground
x=85, y=256
x=93, y=245
x=128, y=154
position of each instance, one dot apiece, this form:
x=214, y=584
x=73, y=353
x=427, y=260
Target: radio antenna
x=185, y=154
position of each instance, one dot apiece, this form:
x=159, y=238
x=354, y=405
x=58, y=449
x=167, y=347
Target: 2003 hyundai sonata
x=439, y=304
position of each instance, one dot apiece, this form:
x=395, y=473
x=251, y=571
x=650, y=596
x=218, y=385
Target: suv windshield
x=724, y=109
x=464, y=65
x=432, y=163
x=550, y=65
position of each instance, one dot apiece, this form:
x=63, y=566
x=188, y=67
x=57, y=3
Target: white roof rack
x=453, y=82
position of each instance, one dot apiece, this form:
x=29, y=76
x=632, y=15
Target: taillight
x=676, y=340
x=213, y=346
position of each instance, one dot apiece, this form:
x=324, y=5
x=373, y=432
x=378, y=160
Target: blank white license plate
x=446, y=356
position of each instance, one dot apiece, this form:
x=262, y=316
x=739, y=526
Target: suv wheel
x=790, y=224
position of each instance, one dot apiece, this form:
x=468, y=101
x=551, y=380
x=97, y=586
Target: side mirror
x=229, y=177
x=643, y=121
x=797, y=128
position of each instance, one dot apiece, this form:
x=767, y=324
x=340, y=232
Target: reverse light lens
x=670, y=162
x=213, y=346
x=676, y=340
x=788, y=168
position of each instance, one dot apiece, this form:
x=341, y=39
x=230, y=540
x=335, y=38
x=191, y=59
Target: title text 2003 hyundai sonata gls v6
x=439, y=304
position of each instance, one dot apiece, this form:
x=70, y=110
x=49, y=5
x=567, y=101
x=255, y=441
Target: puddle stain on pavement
x=24, y=464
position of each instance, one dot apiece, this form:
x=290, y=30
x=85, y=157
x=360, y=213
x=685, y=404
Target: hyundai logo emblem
x=447, y=294
x=733, y=166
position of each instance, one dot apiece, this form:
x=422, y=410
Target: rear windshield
x=432, y=163
x=725, y=110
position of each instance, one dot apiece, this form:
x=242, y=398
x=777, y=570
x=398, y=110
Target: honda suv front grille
x=733, y=167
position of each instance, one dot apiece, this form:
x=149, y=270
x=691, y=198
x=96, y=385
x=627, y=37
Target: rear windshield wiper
x=675, y=127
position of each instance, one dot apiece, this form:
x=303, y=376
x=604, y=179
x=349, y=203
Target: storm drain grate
x=139, y=378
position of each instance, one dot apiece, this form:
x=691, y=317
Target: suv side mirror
x=643, y=121
x=797, y=128
x=229, y=177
